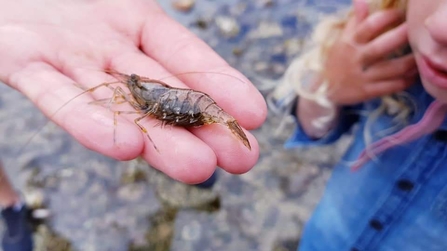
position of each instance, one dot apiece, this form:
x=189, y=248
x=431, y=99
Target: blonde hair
x=310, y=66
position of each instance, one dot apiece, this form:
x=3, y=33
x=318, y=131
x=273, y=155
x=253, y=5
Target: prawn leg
x=92, y=89
x=115, y=123
x=118, y=93
x=103, y=85
x=107, y=100
x=119, y=96
x=143, y=129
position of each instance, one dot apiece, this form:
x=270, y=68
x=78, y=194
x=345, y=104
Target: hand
x=48, y=48
x=359, y=66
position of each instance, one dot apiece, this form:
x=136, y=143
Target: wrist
x=317, y=119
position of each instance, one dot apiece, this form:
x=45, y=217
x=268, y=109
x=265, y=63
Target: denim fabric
x=397, y=202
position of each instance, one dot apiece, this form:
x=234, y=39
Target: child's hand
x=359, y=66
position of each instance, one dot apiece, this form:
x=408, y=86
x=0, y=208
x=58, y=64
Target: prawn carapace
x=173, y=106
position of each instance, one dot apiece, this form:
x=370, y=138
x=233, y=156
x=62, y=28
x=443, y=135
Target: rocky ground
x=104, y=205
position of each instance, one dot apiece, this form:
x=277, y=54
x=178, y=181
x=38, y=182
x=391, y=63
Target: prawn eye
x=135, y=79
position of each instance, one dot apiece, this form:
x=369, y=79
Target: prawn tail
x=236, y=129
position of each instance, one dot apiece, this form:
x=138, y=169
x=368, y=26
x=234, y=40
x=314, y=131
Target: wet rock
x=238, y=9
x=103, y=169
x=266, y=29
x=41, y=214
x=296, y=184
x=131, y=192
x=133, y=175
x=179, y=195
x=286, y=245
x=270, y=68
x=293, y=46
x=261, y=66
x=278, y=69
x=267, y=3
x=289, y=22
x=72, y=181
x=34, y=197
x=110, y=237
x=37, y=203
x=237, y=51
x=46, y=239
x=191, y=231
x=183, y=5
x=160, y=235
x=228, y=26
x=202, y=23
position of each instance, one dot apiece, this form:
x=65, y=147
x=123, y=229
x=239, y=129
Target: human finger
x=361, y=10
x=384, y=45
x=376, y=24
x=387, y=87
x=184, y=52
x=232, y=155
x=404, y=66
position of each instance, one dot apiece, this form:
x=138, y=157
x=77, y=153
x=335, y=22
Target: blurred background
x=99, y=204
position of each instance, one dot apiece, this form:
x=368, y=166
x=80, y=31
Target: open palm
x=49, y=47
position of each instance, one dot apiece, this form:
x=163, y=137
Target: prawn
x=172, y=106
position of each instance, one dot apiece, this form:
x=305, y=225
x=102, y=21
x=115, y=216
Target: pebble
x=131, y=192
x=228, y=26
x=267, y=29
x=183, y=5
x=192, y=231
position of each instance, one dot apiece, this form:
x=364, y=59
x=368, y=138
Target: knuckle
x=401, y=68
x=367, y=53
x=403, y=65
x=399, y=85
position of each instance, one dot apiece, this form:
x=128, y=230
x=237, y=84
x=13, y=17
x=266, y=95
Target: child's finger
x=391, y=69
x=377, y=24
x=361, y=10
x=384, y=45
x=387, y=87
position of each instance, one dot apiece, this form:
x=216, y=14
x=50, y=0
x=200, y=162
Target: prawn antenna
x=22, y=149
